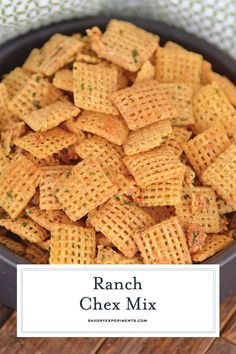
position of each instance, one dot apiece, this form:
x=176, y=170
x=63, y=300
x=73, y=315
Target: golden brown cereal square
x=143, y=104
x=71, y=244
x=163, y=243
x=221, y=175
x=33, y=62
x=51, y=116
x=126, y=45
x=225, y=84
x=174, y=65
x=202, y=150
x=26, y=228
x=177, y=140
x=44, y=144
x=47, y=219
x=198, y=206
x=9, y=134
x=147, y=138
x=37, y=93
x=15, y=81
x=93, y=86
x=211, y=105
x=18, y=182
x=180, y=95
x=48, y=183
x=214, y=244
x=163, y=193
x=152, y=167
x=84, y=189
x=63, y=80
x=56, y=53
x=109, y=155
x=110, y=127
x=118, y=220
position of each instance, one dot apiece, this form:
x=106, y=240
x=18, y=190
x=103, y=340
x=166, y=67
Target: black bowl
x=14, y=52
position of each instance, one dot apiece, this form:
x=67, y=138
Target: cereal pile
x=115, y=150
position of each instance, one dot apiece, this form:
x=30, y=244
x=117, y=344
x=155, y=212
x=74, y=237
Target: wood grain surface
x=226, y=344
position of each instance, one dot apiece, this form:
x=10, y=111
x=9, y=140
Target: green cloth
x=210, y=19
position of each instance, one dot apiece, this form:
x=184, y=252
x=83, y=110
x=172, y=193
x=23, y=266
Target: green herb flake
x=36, y=104
x=33, y=94
x=68, y=174
x=24, y=224
x=29, y=211
x=37, y=79
x=117, y=197
x=9, y=194
x=134, y=55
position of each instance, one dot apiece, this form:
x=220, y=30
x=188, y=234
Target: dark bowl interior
x=14, y=53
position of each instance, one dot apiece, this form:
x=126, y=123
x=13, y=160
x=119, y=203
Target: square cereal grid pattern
x=163, y=243
x=163, y=193
x=118, y=220
x=109, y=155
x=221, y=175
x=126, y=45
x=57, y=52
x=84, y=189
x=72, y=244
x=178, y=66
x=47, y=187
x=181, y=97
x=202, y=150
x=198, y=206
x=147, y=138
x=51, y=116
x=18, y=182
x=44, y=144
x=210, y=105
x=110, y=127
x=25, y=228
x=214, y=244
x=15, y=81
x=144, y=104
x=93, y=86
x=152, y=167
x=47, y=219
x=36, y=93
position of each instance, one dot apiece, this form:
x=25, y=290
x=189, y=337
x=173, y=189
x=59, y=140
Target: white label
x=118, y=301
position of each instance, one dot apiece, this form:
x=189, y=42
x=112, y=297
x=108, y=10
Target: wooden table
x=226, y=344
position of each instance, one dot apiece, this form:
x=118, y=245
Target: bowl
x=14, y=53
